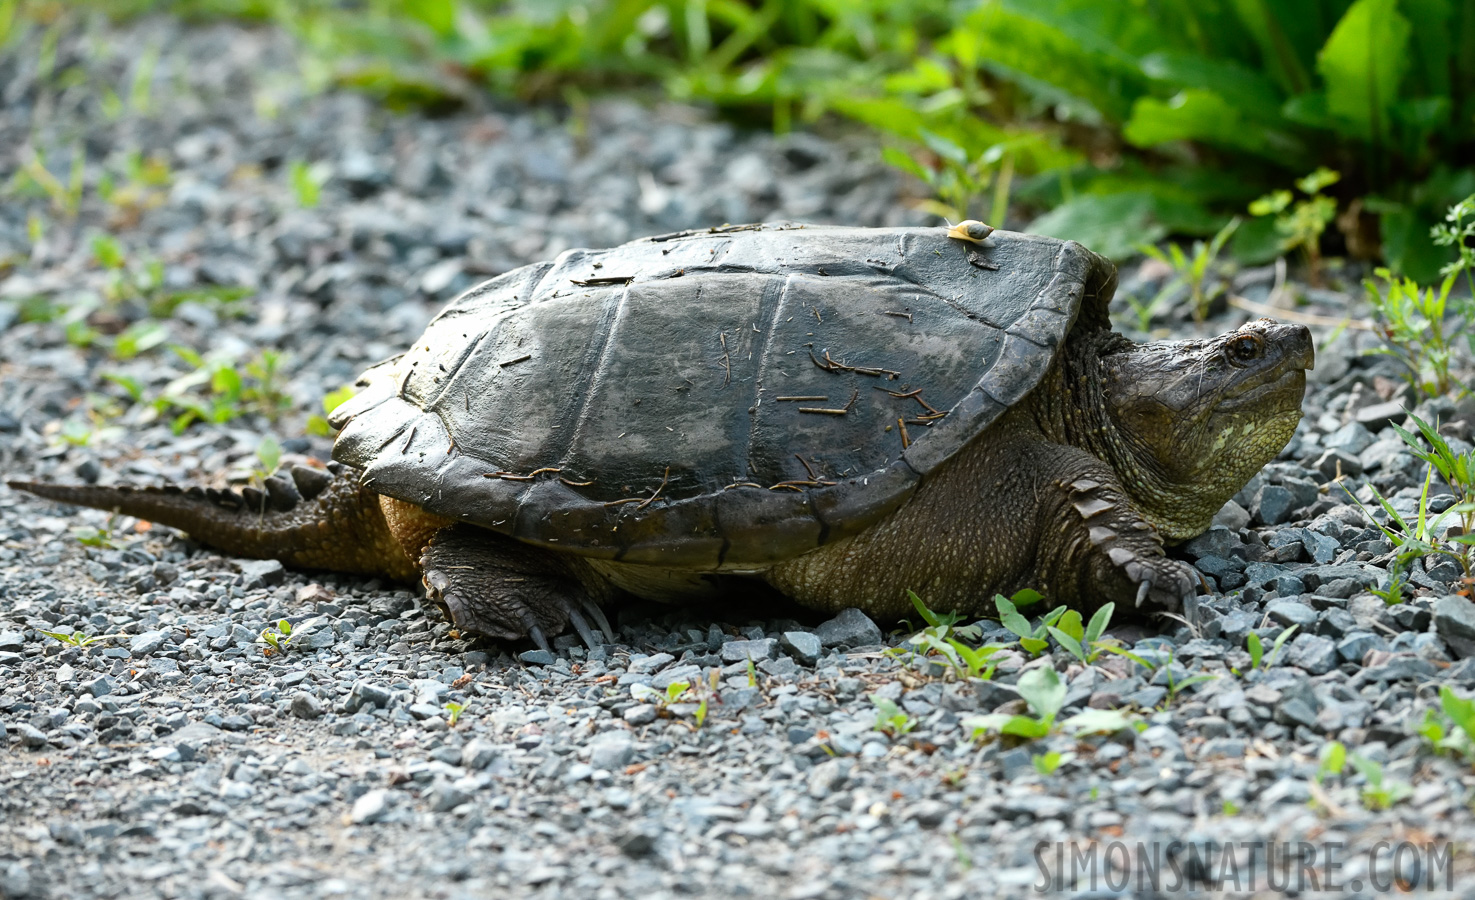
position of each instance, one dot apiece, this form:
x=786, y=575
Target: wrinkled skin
x=1075, y=491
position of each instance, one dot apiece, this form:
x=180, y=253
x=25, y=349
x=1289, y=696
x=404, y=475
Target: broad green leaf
x=1195, y=115
x=1097, y=626
x=1111, y=224
x=1010, y=617
x=1033, y=644
x=1407, y=247
x=1256, y=649
x=1043, y=690
x=1249, y=91
x=1071, y=645
x=921, y=608
x=1333, y=759
x=1460, y=709
x=1096, y=721
x=1362, y=65
x=1070, y=623
x=1432, y=43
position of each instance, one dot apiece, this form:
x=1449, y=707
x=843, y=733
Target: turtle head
x=1194, y=420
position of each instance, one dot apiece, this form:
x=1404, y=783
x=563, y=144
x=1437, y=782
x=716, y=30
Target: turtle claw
x=1142, y=590
x=582, y=628
x=536, y=635
x=597, y=615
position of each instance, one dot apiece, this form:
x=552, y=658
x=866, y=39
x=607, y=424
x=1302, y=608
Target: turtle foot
x=1127, y=563
x=507, y=590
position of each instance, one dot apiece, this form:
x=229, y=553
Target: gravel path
x=177, y=758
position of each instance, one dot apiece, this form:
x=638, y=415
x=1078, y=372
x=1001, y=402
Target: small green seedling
x=307, y=183
x=1188, y=271
x=1047, y=763
x=1257, y=649
x=75, y=639
x=453, y=711
x=1044, y=692
x=1301, y=224
x=752, y=673
x=942, y=636
x=890, y=718
x=277, y=640
x=1379, y=793
x=269, y=454
x=1175, y=686
x=101, y=538
x=700, y=714
x=1333, y=760
x=1452, y=726
x=1031, y=639
x=1084, y=643
x=675, y=689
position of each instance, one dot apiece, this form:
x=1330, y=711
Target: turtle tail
x=314, y=519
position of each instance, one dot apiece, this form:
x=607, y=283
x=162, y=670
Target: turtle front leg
x=493, y=585
x=1102, y=548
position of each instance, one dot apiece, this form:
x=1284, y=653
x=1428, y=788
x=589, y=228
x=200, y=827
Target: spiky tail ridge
x=314, y=520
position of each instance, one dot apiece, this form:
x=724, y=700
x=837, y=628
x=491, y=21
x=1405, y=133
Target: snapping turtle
x=844, y=413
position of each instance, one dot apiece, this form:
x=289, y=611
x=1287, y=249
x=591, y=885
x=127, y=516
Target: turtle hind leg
x=501, y=588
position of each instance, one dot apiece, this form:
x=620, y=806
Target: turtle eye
x=1245, y=348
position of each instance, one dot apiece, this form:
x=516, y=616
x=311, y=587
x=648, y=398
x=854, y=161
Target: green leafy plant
x=1301, y=223
x=269, y=454
x=1202, y=273
x=277, y=638
x=1084, y=643
x=1380, y=792
x=307, y=183
x=1257, y=649
x=1047, y=763
x=76, y=638
x=1031, y=639
x=1426, y=533
x=101, y=538
x=1420, y=328
x=942, y=637
x=890, y=718
x=1044, y=693
x=1177, y=686
x=1333, y=760
x=1453, y=727
x=453, y=712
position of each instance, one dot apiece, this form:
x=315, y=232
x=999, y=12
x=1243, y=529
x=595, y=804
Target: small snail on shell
x=970, y=230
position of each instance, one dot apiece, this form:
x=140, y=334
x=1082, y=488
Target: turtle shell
x=720, y=399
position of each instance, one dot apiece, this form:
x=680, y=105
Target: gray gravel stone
x=31, y=737
x=371, y=807
x=1291, y=612
x=537, y=657
x=1316, y=654
x=1454, y=620
x=365, y=692
x=306, y=706
x=741, y=651
x=147, y=642
x=640, y=714
x=12, y=641
x=851, y=628
x=261, y=572
x=803, y=646
x=478, y=754
x=612, y=750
